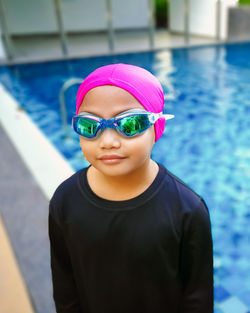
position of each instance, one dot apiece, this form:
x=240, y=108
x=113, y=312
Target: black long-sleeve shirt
x=149, y=254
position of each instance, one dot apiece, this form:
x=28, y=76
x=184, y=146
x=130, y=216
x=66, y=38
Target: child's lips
x=111, y=159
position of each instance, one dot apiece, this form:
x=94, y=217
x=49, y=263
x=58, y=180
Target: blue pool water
x=207, y=144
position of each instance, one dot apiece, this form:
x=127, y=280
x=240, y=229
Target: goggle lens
x=133, y=125
x=86, y=127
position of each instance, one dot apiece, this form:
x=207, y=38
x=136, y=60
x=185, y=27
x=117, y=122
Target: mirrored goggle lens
x=133, y=125
x=86, y=127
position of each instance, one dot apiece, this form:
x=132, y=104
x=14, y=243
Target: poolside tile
x=222, y=272
x=234, y=284
x=217, y=310
x=220, y=294
x=245, y=297
x=233, y=305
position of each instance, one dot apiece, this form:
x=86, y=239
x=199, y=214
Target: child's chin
x=114, y=170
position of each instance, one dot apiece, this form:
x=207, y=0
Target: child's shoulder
x=68, y=188
x=182, y=194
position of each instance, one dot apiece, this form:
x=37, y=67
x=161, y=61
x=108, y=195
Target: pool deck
x=27, y=159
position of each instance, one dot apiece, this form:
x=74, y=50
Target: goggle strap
x=156, y=116
x=168, y=116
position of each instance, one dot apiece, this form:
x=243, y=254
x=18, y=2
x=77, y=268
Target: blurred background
x=200, y=52
x=55, y=28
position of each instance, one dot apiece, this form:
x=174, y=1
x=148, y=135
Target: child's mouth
x=111, y=159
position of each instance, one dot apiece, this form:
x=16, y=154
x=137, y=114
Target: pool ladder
x=63, y=110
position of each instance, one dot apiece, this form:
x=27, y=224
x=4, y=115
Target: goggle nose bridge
x=108, y=123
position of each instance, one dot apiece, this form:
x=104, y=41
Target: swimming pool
x=207, y=144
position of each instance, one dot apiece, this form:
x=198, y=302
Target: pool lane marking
x=47, y=165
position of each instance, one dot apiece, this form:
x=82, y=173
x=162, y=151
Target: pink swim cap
x=139, y=82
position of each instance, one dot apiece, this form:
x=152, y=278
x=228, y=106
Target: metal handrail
x=63, y=110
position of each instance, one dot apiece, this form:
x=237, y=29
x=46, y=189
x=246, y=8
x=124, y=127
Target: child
x=126, y=235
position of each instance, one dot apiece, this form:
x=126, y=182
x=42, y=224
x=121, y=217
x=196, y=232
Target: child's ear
x=153, y=137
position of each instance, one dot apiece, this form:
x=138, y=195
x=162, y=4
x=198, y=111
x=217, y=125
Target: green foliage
x=161, y=13
x=244, y=2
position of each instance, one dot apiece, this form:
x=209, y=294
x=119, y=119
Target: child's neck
x=119, y=188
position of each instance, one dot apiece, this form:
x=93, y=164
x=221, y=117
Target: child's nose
x=109, y=139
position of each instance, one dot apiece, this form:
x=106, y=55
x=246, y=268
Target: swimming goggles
x=130, y=123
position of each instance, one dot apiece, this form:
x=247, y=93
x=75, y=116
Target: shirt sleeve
x=64, y=288
x=197, y=262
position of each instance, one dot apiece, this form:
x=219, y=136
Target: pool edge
x=46, y=164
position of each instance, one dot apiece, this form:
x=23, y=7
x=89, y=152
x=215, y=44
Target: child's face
x=111, y=153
